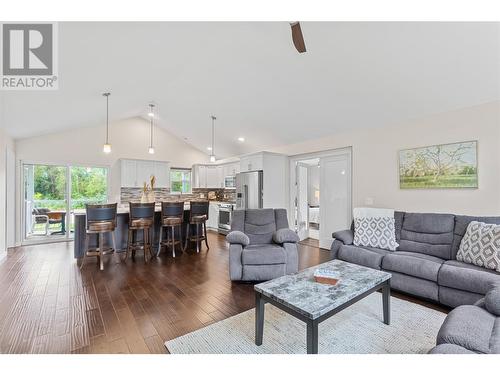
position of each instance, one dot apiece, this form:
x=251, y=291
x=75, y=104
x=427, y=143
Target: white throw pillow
x=480, y=245
x=377, y=232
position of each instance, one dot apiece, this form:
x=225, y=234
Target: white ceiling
x=353, y=75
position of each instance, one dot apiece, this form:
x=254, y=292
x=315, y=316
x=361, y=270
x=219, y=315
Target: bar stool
x=172, y=216
x=198, y=216
x=100, y=219
x=141, y=217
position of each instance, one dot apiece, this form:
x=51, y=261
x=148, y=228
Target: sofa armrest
x=238, y=238
x=344, y=236
x=285, y=235
x=235, y=265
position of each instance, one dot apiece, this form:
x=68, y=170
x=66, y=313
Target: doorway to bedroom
x=321, y=203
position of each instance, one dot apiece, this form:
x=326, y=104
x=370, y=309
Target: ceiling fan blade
x=297, y=37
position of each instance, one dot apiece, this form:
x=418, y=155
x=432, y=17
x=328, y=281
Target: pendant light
x=106, y=148
x=151, y=115
x=212, y=154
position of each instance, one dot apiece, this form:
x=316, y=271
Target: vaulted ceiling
x=353, y=75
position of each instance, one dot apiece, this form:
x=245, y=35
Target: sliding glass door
x=53, y=193
x=89, y=185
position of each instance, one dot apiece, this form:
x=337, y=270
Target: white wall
x=6, y=144
x=375, y=160
x=83, y=146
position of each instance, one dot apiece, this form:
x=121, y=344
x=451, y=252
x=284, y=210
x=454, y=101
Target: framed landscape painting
x=446, y=166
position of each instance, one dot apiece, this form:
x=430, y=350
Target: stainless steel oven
x=225, y=215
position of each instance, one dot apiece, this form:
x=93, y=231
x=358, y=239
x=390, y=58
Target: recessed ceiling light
x=209, y=148
x=241, y=139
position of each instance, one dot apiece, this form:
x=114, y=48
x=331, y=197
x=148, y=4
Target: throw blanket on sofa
x=375, y=227
x=359, y=212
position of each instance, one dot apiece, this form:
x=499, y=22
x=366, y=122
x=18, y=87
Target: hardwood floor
x=47, y=305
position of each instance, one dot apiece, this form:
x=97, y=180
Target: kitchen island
x=121, y=231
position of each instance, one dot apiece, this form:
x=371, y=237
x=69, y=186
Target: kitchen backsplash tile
x=163, y=194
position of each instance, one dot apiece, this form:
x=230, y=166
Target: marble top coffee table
x=300, y=296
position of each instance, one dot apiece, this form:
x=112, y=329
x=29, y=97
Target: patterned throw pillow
x=377, y=232
x=481, y=245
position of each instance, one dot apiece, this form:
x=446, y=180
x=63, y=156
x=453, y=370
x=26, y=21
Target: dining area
x=148, y=229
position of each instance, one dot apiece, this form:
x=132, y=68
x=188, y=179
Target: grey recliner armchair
x=261, y=245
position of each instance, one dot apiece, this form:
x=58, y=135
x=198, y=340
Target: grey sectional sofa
x=425, y=262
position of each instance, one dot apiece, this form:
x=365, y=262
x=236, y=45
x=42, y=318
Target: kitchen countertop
x=124, y=208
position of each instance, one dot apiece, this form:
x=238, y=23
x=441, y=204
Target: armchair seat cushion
x=263, y=254
x=285, y=235
x=363, y=256
x=413, y=264
x=468, y=277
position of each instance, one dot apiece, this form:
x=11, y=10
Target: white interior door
x=302, y=226
x=335, y=197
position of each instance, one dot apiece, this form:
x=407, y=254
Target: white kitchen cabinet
x=220, y=176
x=199, y=176
x=145, y=169
x=253, y=162
x=135, y=172
x=213, y=215
x=231, y=169
x=129, y=173
x=162, y=174
x=212, y=177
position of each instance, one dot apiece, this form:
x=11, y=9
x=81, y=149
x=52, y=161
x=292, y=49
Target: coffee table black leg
x=386, y=299
x=312, y=337
x=259, y=319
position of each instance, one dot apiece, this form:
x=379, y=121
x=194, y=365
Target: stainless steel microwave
x=230, y=182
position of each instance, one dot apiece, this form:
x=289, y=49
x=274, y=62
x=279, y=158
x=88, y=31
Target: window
x=180, y=181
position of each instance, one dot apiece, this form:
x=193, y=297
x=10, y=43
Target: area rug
x=357, y=329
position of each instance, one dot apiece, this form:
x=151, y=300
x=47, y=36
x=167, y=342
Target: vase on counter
x=151, y=196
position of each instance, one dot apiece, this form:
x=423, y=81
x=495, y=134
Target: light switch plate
x=369, y=201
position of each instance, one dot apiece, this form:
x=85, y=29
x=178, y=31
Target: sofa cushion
x=470, y=327
x=457, y=297
x=464, y=276
x=415, y=286
x=364, y=256
x=481, y=245
x=450, y=349
x=260, y=225
x=263, y=254
x=413, y=264
x=461, y=224
x=430, y=234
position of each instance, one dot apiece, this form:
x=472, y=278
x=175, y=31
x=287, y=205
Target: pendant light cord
x=107, y=94
x=213, y=134
x=151, y=132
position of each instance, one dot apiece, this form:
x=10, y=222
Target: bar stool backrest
x=198, y=208
x=172, y=210
x=142, y=211
x=101, y=214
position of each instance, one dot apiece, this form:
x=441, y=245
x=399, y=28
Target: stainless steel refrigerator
x=249, y=187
